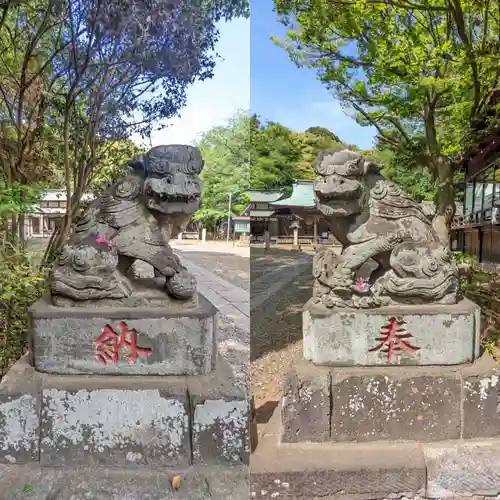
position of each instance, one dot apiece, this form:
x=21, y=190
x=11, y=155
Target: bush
x=463, y=258
x=21, y=284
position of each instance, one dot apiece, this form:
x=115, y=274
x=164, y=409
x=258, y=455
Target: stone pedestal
x=126, y=387
x=402, y=335
x=360, y=425
x=382, y=432
x=65, y=340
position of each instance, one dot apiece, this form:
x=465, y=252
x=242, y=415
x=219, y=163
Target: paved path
x=211, y=246
x=228, y=266
x=30, y=482
x=233, y=304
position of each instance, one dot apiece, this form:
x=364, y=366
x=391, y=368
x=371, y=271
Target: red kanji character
x=109, y=343
x=392, y=339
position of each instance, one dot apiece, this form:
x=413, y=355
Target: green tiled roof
x=261, y=213
x=302, y=196
x=264, y=196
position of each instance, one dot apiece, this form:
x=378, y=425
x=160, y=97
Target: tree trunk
x=445, y=198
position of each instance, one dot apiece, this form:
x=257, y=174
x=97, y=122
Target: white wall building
x=48, y=213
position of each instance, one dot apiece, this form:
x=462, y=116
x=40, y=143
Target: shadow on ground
x=264, y=412
x=262, y=261
x=278, y=323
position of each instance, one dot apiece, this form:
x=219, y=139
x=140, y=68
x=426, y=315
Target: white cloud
x=213, y=102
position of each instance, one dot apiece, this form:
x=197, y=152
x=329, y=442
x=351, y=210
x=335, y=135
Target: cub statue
x=390, y=252
x=133, y=219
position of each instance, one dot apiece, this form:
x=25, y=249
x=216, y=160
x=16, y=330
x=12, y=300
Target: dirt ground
x=275, y=343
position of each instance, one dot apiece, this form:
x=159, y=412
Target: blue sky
x=253, y=73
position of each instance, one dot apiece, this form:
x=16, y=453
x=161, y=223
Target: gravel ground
x=232, y=268
x=276, y=340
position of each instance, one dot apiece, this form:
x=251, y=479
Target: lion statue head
x=343, y=182
x=171, y=179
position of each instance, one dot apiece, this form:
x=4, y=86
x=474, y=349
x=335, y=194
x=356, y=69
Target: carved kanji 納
x=394, y=338
x=109, y=343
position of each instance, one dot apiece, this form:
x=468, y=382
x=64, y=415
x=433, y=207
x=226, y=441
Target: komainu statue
x=134, y=219
x=391, y=253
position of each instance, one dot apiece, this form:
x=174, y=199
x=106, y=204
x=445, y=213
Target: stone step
x=373, y=471
x=126, y=421
x=417, y=403
x=32, y=482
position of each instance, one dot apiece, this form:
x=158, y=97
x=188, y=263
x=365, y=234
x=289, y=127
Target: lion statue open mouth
x=391, y=253
x=134, y=219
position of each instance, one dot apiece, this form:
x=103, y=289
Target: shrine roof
x=261, y=213
x=302, y=196
x=264, y=196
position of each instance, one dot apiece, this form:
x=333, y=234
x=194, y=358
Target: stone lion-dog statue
x=390, y=252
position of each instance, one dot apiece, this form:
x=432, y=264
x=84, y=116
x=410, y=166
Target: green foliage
x=226, y=151
x=465, y=258
x=279, y=155
x=21, y=284
x=323, y=132
x=18, y=198
x=419, y=72
x=112, y=163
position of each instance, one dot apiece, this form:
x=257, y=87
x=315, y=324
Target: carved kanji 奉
x=394, y=338
x=109, y=343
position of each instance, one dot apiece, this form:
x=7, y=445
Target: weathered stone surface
x=133, y=219
x=220, y=418
x=481, y=399
x=306, y=405
x=377, y=221
x=228, y=483
x=182, y=343
x=444, y=335
x=463, y=469
x=19, y=414
x=308, y=470
x=50, y=483
x=120, y=421
x=393, y=406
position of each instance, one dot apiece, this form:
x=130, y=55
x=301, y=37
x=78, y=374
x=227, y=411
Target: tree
x=27, y=30
x=323, y=132
x=112, y=163
x=421, y=72
x=226, y=151
x=78, y=76
x=273, y=155
x=279, y=155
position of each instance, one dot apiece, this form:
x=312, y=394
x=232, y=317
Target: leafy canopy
x=226, y=151
x=419, y=71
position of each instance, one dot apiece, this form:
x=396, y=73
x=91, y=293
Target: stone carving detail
x=391, y=253
x=110, y=342
x=394, y=338
x=134, y=219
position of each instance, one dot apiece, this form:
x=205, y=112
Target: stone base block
x=391, y=403
x=401, y=335
x=221, y=420
x=305, y=470
x=20, y=414
x=122, y=421
x=374, y=471
x=463, y=469
x=145, y=341
x=114, y=420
